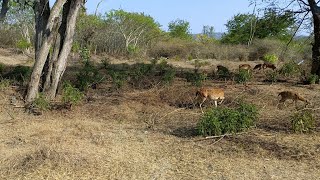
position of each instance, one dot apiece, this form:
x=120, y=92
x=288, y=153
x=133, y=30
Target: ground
x=149, y=134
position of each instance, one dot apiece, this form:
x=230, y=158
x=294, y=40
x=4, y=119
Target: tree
x=180, y=29
x=208, y=31
x=302, y=9
x=4, y=9
x=134, y=27
x=272, y=24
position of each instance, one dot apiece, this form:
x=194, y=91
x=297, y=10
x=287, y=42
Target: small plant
x=313, y=79
x=23, y=44
x=71, y=94
x=4, y=83
x=272, y=76
x=223, y=72
x=19, y=73
x=196, y=78
x=244, y=76
x=169, y=75
x=217, y=121
x=1, y=68
x=271, y=58
x=289, y=69
x=41, y=102
x=303, y=121
x=118, y=78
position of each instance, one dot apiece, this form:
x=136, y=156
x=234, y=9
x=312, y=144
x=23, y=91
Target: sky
x=214, y=13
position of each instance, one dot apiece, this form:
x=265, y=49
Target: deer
x=258, y=66
x=245, y=67
x=268, y=65
x=211, y=93
x=285, y=95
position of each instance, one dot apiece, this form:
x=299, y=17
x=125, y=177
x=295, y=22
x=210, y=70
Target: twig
x=7, y=111
x=221, y=136
x=170, y=113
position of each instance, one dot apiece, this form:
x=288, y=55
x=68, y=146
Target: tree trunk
x=4, y=10
x=315, y=69
x=43, y=49
x=70, y=13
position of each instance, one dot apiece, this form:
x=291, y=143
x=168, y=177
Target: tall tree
x=180, y=29
x=302, y=9
x=4, y=9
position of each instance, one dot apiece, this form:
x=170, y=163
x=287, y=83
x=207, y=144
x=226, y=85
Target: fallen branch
x=221, y=136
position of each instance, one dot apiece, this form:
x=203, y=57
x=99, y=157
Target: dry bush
x=261, y=47
x=9, y=38
x=172, y=48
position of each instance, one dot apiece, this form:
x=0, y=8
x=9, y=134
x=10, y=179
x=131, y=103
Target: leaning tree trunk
x=66, y=33
x=315, y=69
x=43, y=51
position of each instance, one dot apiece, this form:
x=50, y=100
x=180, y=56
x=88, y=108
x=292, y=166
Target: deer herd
x=216, y=94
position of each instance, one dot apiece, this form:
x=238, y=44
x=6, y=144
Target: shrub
x=41, y=102
x=19, y=73
x=87, y=76
x=289, y=69
x=2, y=66
x=313, y=78
x=23, y=44
x=71, y=94
x=118, y=78
x=303, y=121
x=196, y=78
x=4, y=83
x=223, y=73
x=217, y=121
x=243, y=76
x=271, y=58
x=272, y=76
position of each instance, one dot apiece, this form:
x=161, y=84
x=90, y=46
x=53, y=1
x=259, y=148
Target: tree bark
x=70, y=13
x=42, y=53
x=315, y=69
x=4, y=10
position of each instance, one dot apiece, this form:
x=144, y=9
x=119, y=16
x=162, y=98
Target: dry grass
x=150, y=134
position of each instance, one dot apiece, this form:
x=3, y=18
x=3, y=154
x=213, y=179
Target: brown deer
x=292, y=95
x=258, y=66
x=269, y=65
x=245, y=67
x=211, y=93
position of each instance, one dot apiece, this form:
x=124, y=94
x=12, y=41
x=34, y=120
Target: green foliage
x=19, y=73
x=41, y=102
x=271, y=25
x=71, y=94
x=290, y=68
x=167, y=72
x=217, y=121
x=243, y=76
x=313, y=79
x=179, y=29
x=2, y=66
x=142, y=69
x=223, y=73
x=196, y=78
x=4, y=83
x=303, y=121
x=272, y=76
x=88, y=74
x=118, y=78
x=271, y=58
x=23, y=44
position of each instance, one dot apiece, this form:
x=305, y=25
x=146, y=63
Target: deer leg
x=215, y=103
x=203, y=100
x=221, y=101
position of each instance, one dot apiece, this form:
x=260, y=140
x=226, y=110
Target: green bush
x=71, y=94
x=217, y=121
x=23, y=44
x=243, y=76
x=19, y=73
x=87, y=76
x=196, y=78
x=271, y=58
x=290, y=69
x=303, y=121
x=223, y=73
x=272, y=76
x=313, y=78
x=4, y=83
x=2, y=66
x=118, y=78
x=41, y=102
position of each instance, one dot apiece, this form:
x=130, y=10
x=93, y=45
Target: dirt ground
x=150, y=134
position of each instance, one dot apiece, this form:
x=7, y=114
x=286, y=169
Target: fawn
x=292, y=95
x=211, y=93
